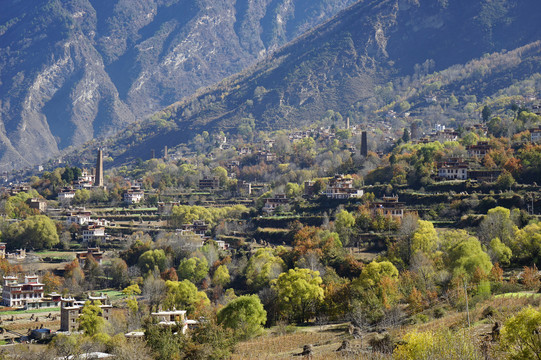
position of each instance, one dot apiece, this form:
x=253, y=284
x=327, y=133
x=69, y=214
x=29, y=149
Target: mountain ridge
x=74, y=70
x=347, y=63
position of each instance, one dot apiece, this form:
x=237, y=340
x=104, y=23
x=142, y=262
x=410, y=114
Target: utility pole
x=467, y=307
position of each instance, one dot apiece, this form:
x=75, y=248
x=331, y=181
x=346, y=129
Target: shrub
x=437, y=345
x=489, y=311
x=439, y=312
x=383, y=343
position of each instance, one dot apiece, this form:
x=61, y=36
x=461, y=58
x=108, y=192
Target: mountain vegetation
x=430, y=61
x=347, y=197
x=75, y=70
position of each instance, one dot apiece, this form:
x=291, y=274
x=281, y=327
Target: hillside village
x=369, y=239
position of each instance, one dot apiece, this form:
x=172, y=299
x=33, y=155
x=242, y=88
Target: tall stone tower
x=99, y=169
x=364, y=144
x=69, y=312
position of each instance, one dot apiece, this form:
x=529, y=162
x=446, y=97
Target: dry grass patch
x=282, y=346
x=325, y=342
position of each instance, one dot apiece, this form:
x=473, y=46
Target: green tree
x=293, y=190
x=210, y=340
x=500, y=252
x=344, y=224
x=299, y=292
x=497, y=224
x=164, y=343
x=374, y=272
x=245, y=315
x=152, y=260
x=130, y=292
x=66, y=346
x=505, y=180
x=81, y=196
x=90, y=321
x=404, y=106
x=520, y=338
x=425, y=238
x=70, y=174
x=375, y=290
x=464, y=253
x=470, y=138
x=263, y=267
x=140, y=243
x=527, y=243
x=453, y=101
x=221, y=276
x=186, y=214
x=184, y=295
x=406, y=135
x=221, y=173
x=35, y=232
x=194, y=269
x=16, y=206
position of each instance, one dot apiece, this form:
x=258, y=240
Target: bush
x=420, y=319
x=505, y=287
x=439, y=312
x=437, y=345
x=520, y=338
x=383, y=343
x=489, y=311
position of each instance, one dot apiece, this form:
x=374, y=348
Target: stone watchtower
x=69, y=312
x=99, y=169
x=364, y=144
x=70, y=309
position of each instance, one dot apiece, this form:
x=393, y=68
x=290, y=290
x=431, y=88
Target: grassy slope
x=326, y=339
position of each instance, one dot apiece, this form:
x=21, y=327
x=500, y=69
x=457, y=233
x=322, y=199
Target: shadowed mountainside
x=75, y=70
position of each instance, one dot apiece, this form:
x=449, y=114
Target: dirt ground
x=324, y=340
x=24, y=322
x=34, y=264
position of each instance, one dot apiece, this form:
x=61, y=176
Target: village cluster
x=376, y=225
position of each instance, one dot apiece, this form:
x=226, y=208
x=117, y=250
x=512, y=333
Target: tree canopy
x=184, y=295
x=91, y=321
x=299, y=292
x=221, y=276
x=374, y=272
x=245, y=315
x=16, y=206
x=35, y=232
x=194, y=269
x=465, y=254
x=152, y=260
x=263, y=267
x=425, y=238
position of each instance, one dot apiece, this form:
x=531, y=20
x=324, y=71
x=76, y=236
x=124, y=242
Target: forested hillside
x=74, y=70
x=405, y=60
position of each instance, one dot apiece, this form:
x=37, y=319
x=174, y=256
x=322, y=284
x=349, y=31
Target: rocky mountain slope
x=73, y=70
x=367, y=60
